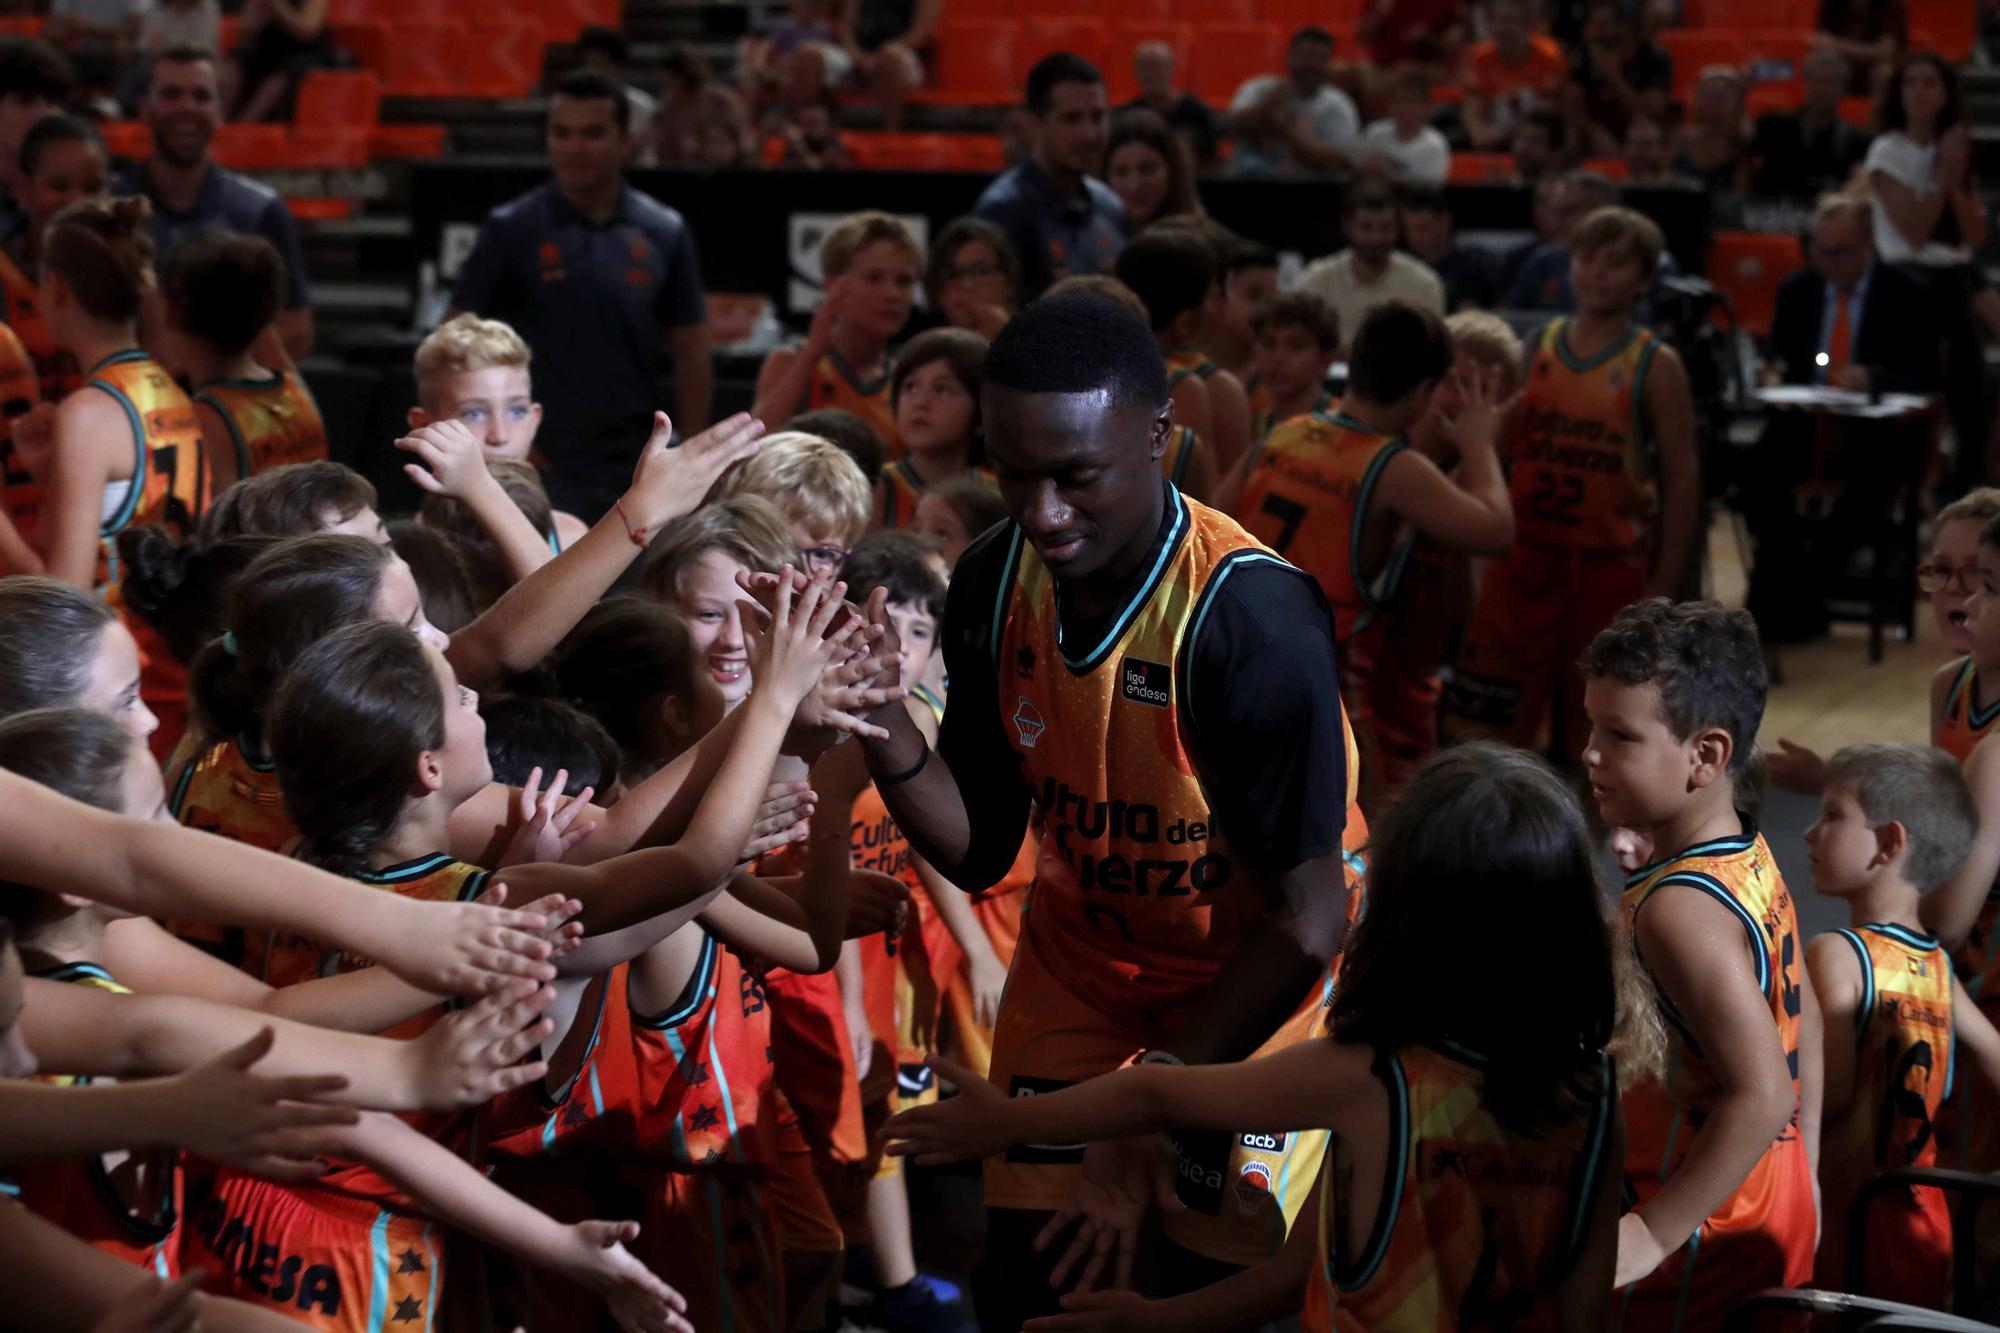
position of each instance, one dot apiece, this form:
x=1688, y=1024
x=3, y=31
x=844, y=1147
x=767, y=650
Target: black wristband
x=897, y=779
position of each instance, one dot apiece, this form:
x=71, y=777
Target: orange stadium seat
x=566, y=18
x=1695, y=49
x=504, y=56
x=126, y=138
x=1226, y=54
x=20, y=25
x=406, y=141
x=976, y=62
x=1086, y=37
x=986, y=9
x=1749, y=266
x=367, y=41
x=974, y=152
x=1612, y=168
x=898, y=152
x=1217, y=11
x=252, y=147
x=1124, y=83
x=1123, y=12
x=1473, y=168
x=424, y=60
x=1858, y=111
x=321, y=210
x=1797, y=15
x=1296, y=14
x=1768, y=98
x=1946, y=26
x=337, y=99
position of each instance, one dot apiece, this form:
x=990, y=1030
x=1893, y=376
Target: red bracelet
x=638, y=535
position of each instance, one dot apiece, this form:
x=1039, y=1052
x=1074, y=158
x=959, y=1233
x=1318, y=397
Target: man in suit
x=1849, y=322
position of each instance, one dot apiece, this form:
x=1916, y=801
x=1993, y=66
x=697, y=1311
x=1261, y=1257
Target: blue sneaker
x=926, y=1305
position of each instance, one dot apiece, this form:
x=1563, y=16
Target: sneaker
x=925, y=1305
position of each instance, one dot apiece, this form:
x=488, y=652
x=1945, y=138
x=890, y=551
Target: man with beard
x=1371, y=271
x=190, y=192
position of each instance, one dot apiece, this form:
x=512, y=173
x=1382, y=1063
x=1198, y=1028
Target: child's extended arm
x=517, y=632
x=785, y=378
x=1695, y=949
x=173, y=873
x=454, y=464
x=465, y=1058
x=590, y=1254
x=783, y=922
x=1950, y=909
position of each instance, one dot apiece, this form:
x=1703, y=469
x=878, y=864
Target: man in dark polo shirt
x=598, y=277
x=190, y=193
x=1062, y=219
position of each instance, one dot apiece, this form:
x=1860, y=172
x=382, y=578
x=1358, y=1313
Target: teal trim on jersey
x=1559, y=340
x=1715, y=889
x=692, y=998
x=1598, y=1149
x=378, y=1272
x=1010, y=574
x=405, y=871
x=1397, y=1167
x=1733, y=845
x=1373, y=598
x=1178, y=528
x=76, y=972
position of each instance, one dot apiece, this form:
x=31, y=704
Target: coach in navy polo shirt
x=598, y=277
x=190, y=193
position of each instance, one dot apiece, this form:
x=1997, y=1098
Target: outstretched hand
x=673, y=480
x=596, y=1259
x=1122, y=1181
x=546, y=824
x=457, y=948
x=224, y=1111
x=450, y=459
x=472, y=1055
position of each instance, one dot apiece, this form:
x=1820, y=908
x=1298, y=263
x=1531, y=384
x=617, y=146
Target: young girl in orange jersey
x=1722, y=1150
x=1474, y=1176
x=222, y=292
x=870, y=263
x=1344, y=496
x=129, y=450
x=1894, y=820
x=936, y=393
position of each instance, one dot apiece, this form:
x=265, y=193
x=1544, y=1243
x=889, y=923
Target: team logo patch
x=1028, y=724
x=1144, y=682
x=1263, y=1142
x=1253, y=1186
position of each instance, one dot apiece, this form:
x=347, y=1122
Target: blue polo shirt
x=1054, y=234
x=593, y=300
x=230, y=202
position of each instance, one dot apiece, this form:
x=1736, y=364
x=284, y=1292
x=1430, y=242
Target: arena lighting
x=1822, y=359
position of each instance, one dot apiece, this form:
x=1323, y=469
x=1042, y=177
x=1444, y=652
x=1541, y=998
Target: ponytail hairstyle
x=102, y=249
x=443, y=575
x=291, y=595
x=50, y=636
x=345, y=730
x=181, y=588
x=623, y=658
x=74, y=753
x=1483, y=860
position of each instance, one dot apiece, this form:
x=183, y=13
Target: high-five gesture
x=673, y=480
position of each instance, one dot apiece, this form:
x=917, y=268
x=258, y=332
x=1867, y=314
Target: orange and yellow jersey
x=835, y=383
x=1139, y=897
x=1902, y=1076
x=56, y=370
x=231, y=789
x=1307, y=497
x=901, y=488
x=1763, y=1235
x=1582, y=470
x=1478, y=1224
x=595, y=1110
x=20, y=492
x=1180, y=451
x=169, y=479
x=704, y=1070
x=1185, y=365
x=124, y=1203
x=1966, y=723
x=271, y=422
x=1264, y=416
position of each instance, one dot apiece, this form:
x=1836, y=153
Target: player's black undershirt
x=1266, y=727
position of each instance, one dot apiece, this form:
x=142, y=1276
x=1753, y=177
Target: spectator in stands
x=1426, y=33
x=164, y=24
x=720, y=137
x=1714, y=143
x=685, y=79
x=973, y=277
x=1869, y=36
x=889, y=42
x=34, y=80
x=1512, y=74
x=1547, y=217
x=1061, y=218
x=190, y=192
x=1470, y=274
x=1849, y=321
x=281, y=40
x=603, y=51
x=1405, y=146
x=1648, y=160
x=1147, y=167
x=798, y=56
x=600, y=279
x=1370, y=270
x=1250, y=278
x=1542, y=281
x=1615, y=76
x=1188, y=115
x=1929, y=221
x=1538, y=146
x=99, y=37
x=811, y=138
x=1805, y=153
x=1297, y=121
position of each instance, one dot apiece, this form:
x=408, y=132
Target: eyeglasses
x=824, y=559
x=1936, y=578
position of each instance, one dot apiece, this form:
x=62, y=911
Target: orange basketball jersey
x=1478, y=1224
x=124, y=1203
x=1307, y=497
x=1180, y=449
x=1902, y=1076
x=231, y=790
x=594, y=1110
x=20, y=492
x=55, y=369
x=837, y=384
x=169, y=481
x=1189, y=364
x=272, y=422
x=1966, y=723
x=1581, y=463
x=1138, y=896
x=1264, y=416
x=1763, y=1235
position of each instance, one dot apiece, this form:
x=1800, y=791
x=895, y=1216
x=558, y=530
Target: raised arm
x=452, y=462
x=1950, y=909
x=785, y=378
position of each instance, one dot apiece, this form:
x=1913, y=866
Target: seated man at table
x=1849, y=322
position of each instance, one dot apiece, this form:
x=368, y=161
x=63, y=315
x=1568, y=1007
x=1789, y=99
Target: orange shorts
x=1537, y=611
x=813, y=1065
x=806, y=1224
x=325, y=1259
x=713, y=1237
x=1242, y=1191
x=971, y=1042
x=1908, y=1250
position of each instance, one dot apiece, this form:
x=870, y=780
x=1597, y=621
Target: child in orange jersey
x=1172, y=272
x=222, y=292
x=1894, y=820
x=1722, y=1151
x=819, y=490
x=871, y=265
x=936, y=393
x=1498, y=1140
x=1602, y=469
x=1343, y=496
x=129, y=450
